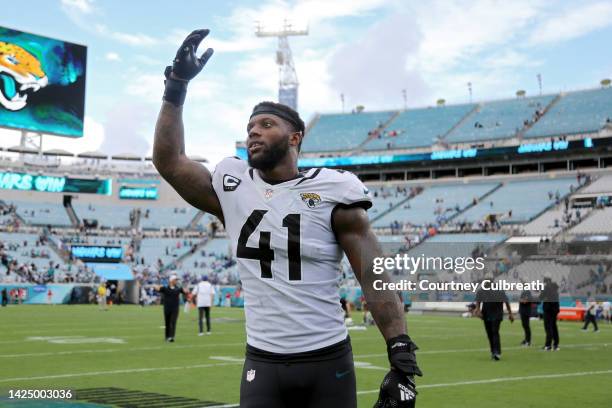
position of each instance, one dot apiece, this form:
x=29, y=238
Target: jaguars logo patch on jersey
x=311, y=199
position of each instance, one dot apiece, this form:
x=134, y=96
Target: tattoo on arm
x=358, y=241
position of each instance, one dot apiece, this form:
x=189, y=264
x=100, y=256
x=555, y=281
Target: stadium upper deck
x=510, y=121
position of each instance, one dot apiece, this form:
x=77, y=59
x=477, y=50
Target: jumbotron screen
x=42, y=84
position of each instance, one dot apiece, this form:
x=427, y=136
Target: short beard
x=270, y=157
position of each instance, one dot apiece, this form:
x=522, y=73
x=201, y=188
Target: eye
x=12, y=59
x=267, y=124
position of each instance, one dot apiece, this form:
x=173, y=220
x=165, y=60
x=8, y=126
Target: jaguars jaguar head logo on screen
x=21, y=73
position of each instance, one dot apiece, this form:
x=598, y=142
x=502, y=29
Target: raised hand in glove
x=185, y=67
x=398, y=389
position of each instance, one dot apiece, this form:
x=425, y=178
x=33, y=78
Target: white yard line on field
x=503, y=379
x=113, y=372
x=468, y=350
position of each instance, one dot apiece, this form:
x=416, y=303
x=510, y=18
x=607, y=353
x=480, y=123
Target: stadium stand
x=555, y=220
x=334, y=132
x=599, y=222
x=601, y=185
x=42, y=213
x=575, y=112
x=435, y=204
x=384, y=198
x=165, y=249
x=29, y=249
x=531, y=270
x=110, y=216
x=498, y=119
x=419, y=127
x=519, y=201
x=158, y=217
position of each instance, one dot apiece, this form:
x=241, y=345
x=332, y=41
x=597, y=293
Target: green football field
x=119, y=358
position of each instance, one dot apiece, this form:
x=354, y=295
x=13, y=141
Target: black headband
x=280, y=113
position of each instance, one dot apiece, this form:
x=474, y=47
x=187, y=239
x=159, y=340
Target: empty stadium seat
x=599, y=222
x=498, y=119
x=421, y=209
x=43, y=213
x=526, y=199
x=575, y=112
x=420, y=127
x=166, y=217
x=342, y=131
x=111, y=216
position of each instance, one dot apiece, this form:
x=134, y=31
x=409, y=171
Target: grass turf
x=78, y=347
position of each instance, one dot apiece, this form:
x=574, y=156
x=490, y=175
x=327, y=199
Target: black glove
x=396, y=391
x=185, y=67
x=398, y=387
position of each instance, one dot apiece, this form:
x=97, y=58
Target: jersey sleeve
x=226, y=176
x=351, y=191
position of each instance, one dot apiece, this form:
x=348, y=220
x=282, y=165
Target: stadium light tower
x=469, y=85
x=288, y=82
x=539, y=76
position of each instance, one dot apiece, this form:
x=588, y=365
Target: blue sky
x=369, y=50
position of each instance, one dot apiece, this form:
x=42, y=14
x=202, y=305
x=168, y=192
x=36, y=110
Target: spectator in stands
x=550, y=298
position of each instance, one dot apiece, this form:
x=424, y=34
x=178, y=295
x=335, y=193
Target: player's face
x=267, y=141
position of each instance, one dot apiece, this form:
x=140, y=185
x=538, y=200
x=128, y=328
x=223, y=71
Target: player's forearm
x=385, y=306
x=169, y=142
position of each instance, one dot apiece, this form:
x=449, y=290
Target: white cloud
x=93, y=137
x=137, y=39
x=80, y=6
x=572, y=23
x=129, y=128
x=112, y=56
x=374, y=75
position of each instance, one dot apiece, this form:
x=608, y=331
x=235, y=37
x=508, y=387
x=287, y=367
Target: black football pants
x=526, y=328
x=492, y=328
x=170, y=318
x=313, y=384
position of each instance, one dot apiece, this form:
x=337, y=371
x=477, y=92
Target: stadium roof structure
x=126, y=156
x=92, y=155
x=22, y=149
x=58, y=152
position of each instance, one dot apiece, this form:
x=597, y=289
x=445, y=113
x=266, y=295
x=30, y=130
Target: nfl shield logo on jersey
x=311, y=199
x=250, y=375
x=268, y=193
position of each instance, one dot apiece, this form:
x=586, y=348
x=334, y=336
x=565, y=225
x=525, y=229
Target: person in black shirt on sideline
x=550, y=298
x=525, y=306
x=171, y=293
x=492, y=314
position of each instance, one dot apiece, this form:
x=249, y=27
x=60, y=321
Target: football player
x=288, y=230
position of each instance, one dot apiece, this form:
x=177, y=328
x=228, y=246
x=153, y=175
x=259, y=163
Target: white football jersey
x=287, y=253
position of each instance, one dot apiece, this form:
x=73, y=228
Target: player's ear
x=295, y=139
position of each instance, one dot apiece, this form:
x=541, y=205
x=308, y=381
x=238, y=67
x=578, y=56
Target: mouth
x=254, y=147
x=14, y=92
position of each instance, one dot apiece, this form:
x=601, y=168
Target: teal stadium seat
x=526, y=199
x=420, y=127
x=333, y=132
x=499, y=119
x=575, y=112
x=420, y=210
